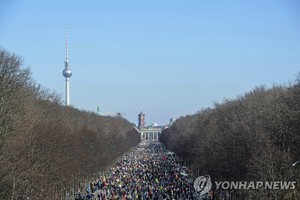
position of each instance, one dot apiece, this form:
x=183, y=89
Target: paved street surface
x=149, y=171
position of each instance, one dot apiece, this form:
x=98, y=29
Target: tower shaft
x=67, y=91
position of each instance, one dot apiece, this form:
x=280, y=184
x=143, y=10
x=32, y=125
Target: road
x=149, y=171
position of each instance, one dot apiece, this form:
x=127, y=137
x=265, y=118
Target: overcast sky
x=169, y=58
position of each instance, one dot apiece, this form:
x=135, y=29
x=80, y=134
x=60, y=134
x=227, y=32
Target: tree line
x=254, y=137
x=48, y=150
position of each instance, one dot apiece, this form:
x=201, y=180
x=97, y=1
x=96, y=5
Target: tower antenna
x=67, y=49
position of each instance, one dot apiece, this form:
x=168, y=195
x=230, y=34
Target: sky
x=168, y=58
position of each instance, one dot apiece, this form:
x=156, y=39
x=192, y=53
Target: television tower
x=67, y=73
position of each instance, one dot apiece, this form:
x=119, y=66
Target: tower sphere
x=67, y=73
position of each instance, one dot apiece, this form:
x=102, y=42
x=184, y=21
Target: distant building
x=109, y=114
x=98, y=110
x=172, y=120
x=141, y=120
x=151, y=132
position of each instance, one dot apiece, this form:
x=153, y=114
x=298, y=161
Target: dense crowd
x=147, y=172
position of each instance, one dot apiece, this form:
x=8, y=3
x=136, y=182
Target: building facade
x=150, y=133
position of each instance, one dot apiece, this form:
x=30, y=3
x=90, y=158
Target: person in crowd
x=146, y=173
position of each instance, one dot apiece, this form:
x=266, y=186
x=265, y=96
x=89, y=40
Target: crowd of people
x=149, y=171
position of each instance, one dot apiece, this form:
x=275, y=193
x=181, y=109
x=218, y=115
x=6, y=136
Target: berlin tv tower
x=67, y=73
